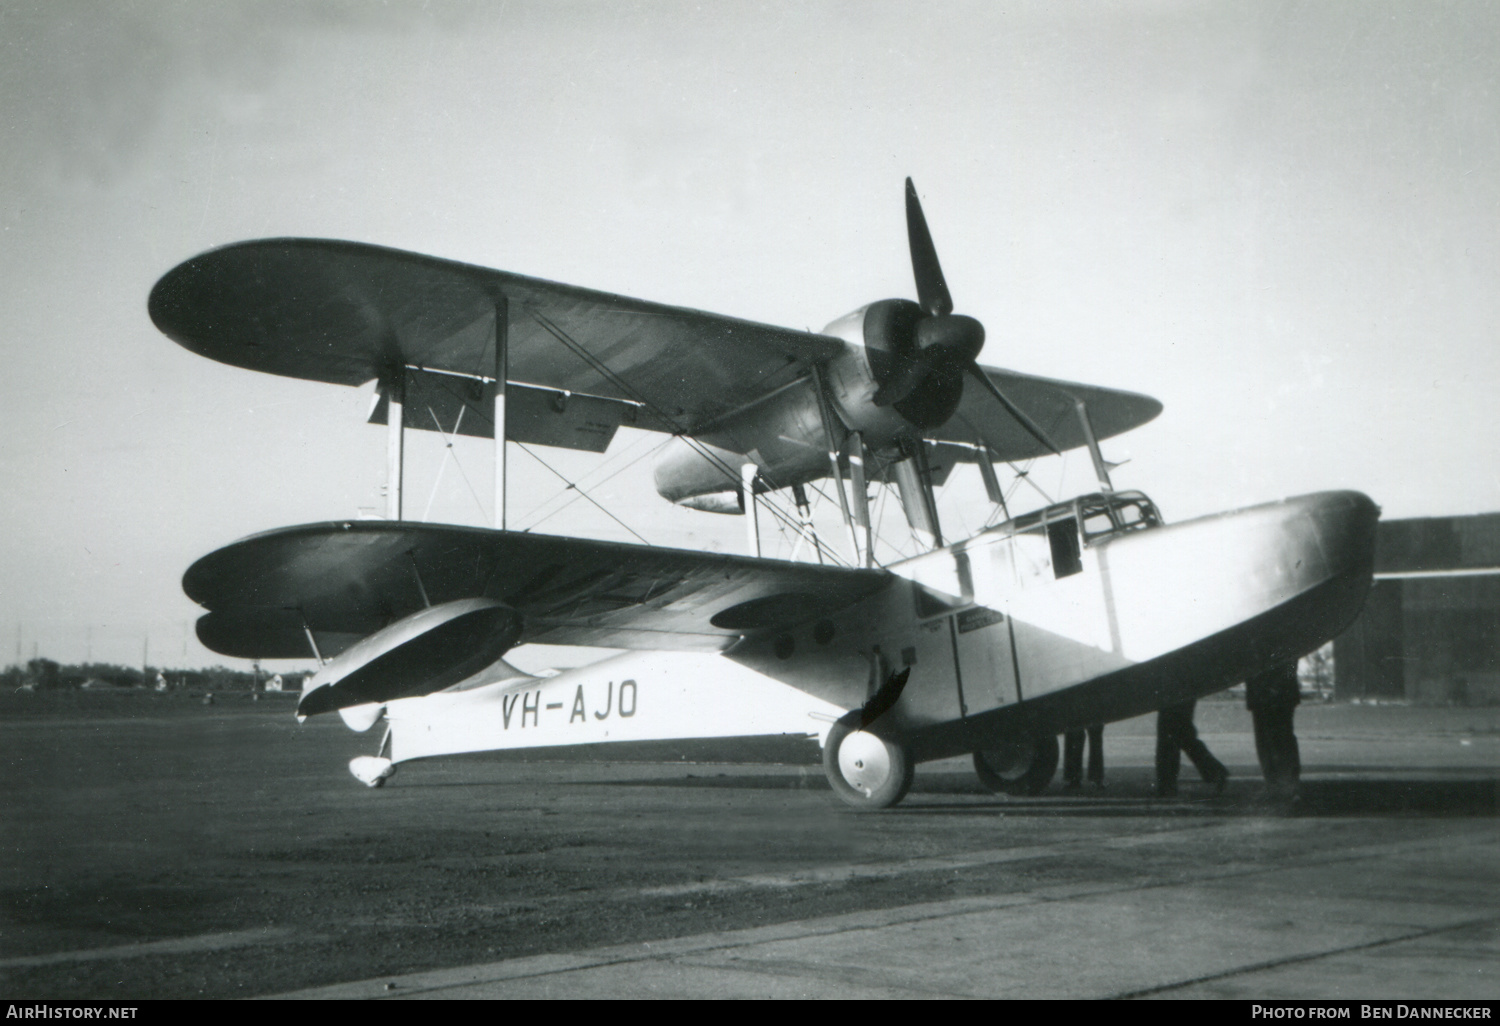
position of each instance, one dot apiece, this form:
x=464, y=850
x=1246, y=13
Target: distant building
x=1430, y=630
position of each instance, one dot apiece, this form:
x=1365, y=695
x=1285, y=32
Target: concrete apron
x=1398, y=920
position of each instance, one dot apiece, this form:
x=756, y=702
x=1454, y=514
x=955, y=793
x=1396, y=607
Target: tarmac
x=176, y=850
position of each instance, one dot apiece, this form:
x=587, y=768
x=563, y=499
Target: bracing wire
x=465, y=405
x=447, y=454
x=541, y=511
x=1025, y=475
x=804, y=531
x=957, y=511
x=527, y=450
x=448, y=441
x=783, y=519
x=679, y=430
x=880, y=504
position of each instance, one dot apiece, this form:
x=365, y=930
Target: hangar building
x=1430, y=630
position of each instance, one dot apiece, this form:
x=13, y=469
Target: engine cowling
x=891, y=346
x=902, y=374
x=918, y=360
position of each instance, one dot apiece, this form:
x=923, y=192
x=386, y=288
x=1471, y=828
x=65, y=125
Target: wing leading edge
x=344, y=581
x=346, y=313
x=1052, y=405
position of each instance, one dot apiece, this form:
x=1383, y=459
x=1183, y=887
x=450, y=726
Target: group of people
x=1272, y=699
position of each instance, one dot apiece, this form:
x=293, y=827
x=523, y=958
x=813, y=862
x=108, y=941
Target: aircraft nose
x=1343, y=525
x=1290, y=574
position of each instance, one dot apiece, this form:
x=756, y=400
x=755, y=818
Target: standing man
x=1073, y=757
x=1272, y=699
x=1176, y=734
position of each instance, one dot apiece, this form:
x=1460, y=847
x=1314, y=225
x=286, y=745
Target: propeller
x=944, y=345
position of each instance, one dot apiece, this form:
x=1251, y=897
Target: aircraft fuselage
x=1087, y=612
x=1042, y=625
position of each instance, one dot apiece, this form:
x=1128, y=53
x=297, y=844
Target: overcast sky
x=1280, y=219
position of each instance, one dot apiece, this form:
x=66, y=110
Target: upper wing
x=1052, y=405
x=345, y=312
x=344, y=581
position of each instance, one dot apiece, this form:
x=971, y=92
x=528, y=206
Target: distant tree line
x=46, y=674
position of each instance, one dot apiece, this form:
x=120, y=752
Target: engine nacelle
x=701, y=476
x=891, y=333
x=783, y=435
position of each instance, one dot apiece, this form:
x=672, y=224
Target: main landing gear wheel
x=865, y=771
x=1020, y=767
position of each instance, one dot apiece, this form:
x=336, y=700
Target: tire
x=1022, y=767
x=866, y=772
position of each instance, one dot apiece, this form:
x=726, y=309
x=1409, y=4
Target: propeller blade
x=1014, y=410
x=932, y=287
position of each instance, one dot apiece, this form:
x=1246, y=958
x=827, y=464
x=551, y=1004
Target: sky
x=1280, y=219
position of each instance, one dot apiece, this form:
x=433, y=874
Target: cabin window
x=1097, y=521
x=1105, y=515
x=1062, y=535
x=1138, y=514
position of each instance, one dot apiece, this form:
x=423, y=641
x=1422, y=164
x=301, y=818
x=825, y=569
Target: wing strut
x=395, y=441
x=312, y=642
x=502, y=375
x=913, y=474
x=991, y=482
x=752, y=508
x=860, y=496
x=1101, y=468
x=820, y=386
x=805, y=529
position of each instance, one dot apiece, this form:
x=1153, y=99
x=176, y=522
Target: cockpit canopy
x=1086, y=520
x=1097, y=515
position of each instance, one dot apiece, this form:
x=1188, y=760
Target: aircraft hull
x=1001, y=639
x=1194, y=671
x=1146, y=619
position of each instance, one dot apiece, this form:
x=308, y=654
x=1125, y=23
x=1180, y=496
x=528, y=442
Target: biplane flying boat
x=1086, y=611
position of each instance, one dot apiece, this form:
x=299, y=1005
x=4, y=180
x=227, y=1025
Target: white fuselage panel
x=636, y=696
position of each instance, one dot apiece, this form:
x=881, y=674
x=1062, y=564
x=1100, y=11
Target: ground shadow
x=1134, y=796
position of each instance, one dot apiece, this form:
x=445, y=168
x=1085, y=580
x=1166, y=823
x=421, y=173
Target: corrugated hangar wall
x=1430, y=631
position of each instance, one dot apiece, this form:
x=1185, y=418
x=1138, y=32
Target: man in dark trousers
x=1176, y=734
x=1073, y=757
x=1272, y=699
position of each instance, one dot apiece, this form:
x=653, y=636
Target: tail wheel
x=865, y=771
x=372, y=770
x=1023, y=766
